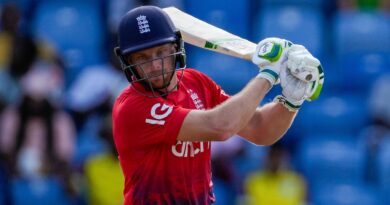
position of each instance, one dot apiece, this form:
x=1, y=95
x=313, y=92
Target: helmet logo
x=143, y=24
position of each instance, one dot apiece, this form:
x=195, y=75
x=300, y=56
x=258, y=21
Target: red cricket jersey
x=158, y=169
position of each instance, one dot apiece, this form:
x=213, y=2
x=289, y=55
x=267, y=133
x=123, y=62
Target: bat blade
x=201, y=34
x=204, y=35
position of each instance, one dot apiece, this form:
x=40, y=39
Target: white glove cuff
x=269, y=75
x=292, y=106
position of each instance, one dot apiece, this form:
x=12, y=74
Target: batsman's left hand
x=270, y=56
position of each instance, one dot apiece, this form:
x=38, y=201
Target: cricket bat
x=201, y=34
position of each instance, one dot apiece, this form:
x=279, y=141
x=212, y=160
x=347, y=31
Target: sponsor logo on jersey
x=189, y=149
x=159, y=113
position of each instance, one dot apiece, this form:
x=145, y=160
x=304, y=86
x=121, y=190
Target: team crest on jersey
x=195, y=98
x=143, y=24
x=159, y=113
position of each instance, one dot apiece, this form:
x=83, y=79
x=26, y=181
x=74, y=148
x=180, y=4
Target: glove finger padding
x=302, y=64
x=296, y=86
x=295, y=90
x=307, y=68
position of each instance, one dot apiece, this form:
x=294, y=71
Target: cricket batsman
x=165, y=120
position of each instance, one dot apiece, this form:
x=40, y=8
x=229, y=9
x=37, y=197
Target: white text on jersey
x=165, y=110
x=189, y=149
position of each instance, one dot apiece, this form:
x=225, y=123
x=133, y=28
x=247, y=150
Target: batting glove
x=270, y=56
x=295, y=90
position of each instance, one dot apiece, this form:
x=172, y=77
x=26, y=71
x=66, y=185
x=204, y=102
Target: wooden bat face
x=201, y=34
x=204, y=35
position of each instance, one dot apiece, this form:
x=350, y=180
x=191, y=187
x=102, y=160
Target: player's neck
x=172, y=85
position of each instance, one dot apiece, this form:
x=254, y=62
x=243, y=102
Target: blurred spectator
x=18, y=50
x=103, y=173
x=37, y=111
x=277, y=183
x=9, y=89
x=24, y=54
x=18, y=53
x=36, y=134
x=9, y=22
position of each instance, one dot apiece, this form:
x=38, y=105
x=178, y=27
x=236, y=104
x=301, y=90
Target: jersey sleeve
x=152, y=123
x=218, y=95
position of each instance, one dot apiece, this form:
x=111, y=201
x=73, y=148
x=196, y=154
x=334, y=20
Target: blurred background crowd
x=59, y=78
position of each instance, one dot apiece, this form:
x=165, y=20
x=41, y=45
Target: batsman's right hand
x=295, y=90
x=270, y=56
x=304, y=66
